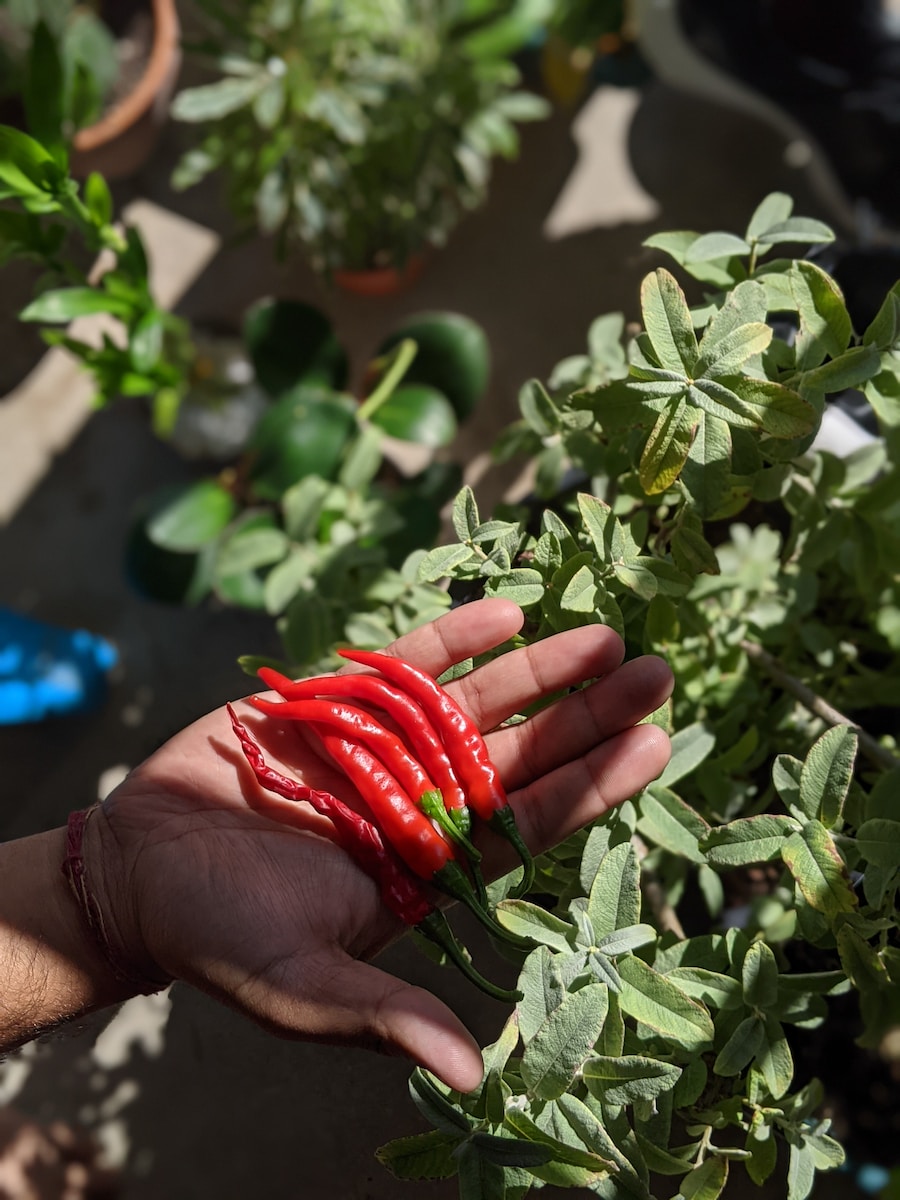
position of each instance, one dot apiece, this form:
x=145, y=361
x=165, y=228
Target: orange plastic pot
x=381, y=281
x=121, y=141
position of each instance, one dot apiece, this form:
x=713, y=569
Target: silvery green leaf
x=522, y=585
x=849, y=370
x=804, y=231
x=690, y=746
x=707, y=471
x=590, y=1131
x=678, y=244
x=878, y=841
x=521, y=1123
x=530, y=920
x=667, y=447
x=628, y=1078
x=287, y=578
x=706, y=1182
x=670, y=823
x=212, y=101
x=667, y=321
x=479, y=1177
x=775, y=1060
x=801, y=1175
x=821, y=874
x=604, y=971
x=826, y=774
x=825, y=326
x=422, y=1156
x=615, y=897
x=595, y=848
x=774, y=209
x=728, y=353
x=625, y=940
x=759, y=976
x=510, y=1152
x=557, y=1051
x=655, y=1001
x=538, y=409
x=884, y=329
x=435, y=1106
x=465, y=514
x=748, y=840
x=712, y=988
x=442, y=561
x=786, y=772
x=742, y=1047
x=710, y=247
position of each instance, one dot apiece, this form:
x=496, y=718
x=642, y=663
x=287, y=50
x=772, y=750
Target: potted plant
x=96, y=79
x=361, y=134
x=696, y=951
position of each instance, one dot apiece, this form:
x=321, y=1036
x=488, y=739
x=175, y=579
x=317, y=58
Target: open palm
x=237, y=892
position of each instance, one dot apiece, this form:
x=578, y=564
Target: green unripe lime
x=417, y=413
x=304, y=433
x=290, y=343
x=453, y=356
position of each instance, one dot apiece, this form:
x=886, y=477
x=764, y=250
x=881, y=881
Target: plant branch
x=665, y=915
x=874, y=752
x=403, y=357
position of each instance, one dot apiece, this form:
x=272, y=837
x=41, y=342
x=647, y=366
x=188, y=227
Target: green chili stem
x=436, y=929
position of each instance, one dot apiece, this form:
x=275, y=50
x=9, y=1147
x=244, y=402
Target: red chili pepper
x=409, y=717
x=400, y=891
x=359, y=726
x=420, y=845
x=466, y=747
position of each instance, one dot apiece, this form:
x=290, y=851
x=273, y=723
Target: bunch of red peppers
x=422, y=774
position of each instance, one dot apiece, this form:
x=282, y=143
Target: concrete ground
x=192, y=1101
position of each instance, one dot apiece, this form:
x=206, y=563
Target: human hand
x=202, y=878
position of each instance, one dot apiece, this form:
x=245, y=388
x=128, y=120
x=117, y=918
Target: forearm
x=51, y=969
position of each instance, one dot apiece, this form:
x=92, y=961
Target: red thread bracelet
x=76, y=875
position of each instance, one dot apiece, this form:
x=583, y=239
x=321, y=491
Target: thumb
x=370, y=1007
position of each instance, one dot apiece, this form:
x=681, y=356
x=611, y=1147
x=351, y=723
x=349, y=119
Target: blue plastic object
x=47, y=671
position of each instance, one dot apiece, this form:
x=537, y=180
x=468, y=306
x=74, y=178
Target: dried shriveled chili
x=400, y=890
x=465, y=746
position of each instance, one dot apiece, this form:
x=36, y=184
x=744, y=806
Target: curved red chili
x=409, y=717
x=465, y=745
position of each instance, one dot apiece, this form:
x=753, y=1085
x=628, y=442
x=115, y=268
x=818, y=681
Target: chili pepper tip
x=435, y=928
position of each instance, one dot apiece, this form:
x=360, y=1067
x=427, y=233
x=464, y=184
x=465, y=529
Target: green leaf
x=146, y=342
x=249, y=549
x=44, y=89
x=710, y=987
x=772, y=211
x=826, y=774
x=185, y=518
x=706, y=1182
x=805, y=231
x=747, y=840
x=521, y=585
x=422, y=1156
x=655, y=1001
x=668, y=822
x=711, y=246
x=615, y=895
x=521, y=1123
x=26, y=168
x=479, y=1177
x=65, y=304
x=884, y=330
x=544, y=981
x=801, y=1175
x=775, y=1060
x=848, y=370
x=417, y=413
x=821, y=874
x=825, y=326
x=878, y=841
x=690, y=746
x=509, y=1152
x=441, y=562
x=612, y=540
x=678, y=245
x=557, y=1051
x=759, y=974
x=667, y=447
x=530, y=920
x=212, y=101
x=667, y=320
x=742, y=1047
x=538, y=409
x=435, y=1106
x=729, y=353
x=763, y=1147
x=625, y=940
x=786, y=773
x=628, y=1078
x=759, y=403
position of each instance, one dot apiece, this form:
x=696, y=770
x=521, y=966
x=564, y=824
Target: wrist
x=93, y=868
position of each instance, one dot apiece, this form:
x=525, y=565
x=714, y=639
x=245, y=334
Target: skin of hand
x=211, y=880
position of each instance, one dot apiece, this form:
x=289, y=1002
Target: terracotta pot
x=122, y=141
x=381, y=281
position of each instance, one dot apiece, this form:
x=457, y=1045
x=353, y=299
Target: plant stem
x=665, y=914
x=403, y=356
x=873, y=750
